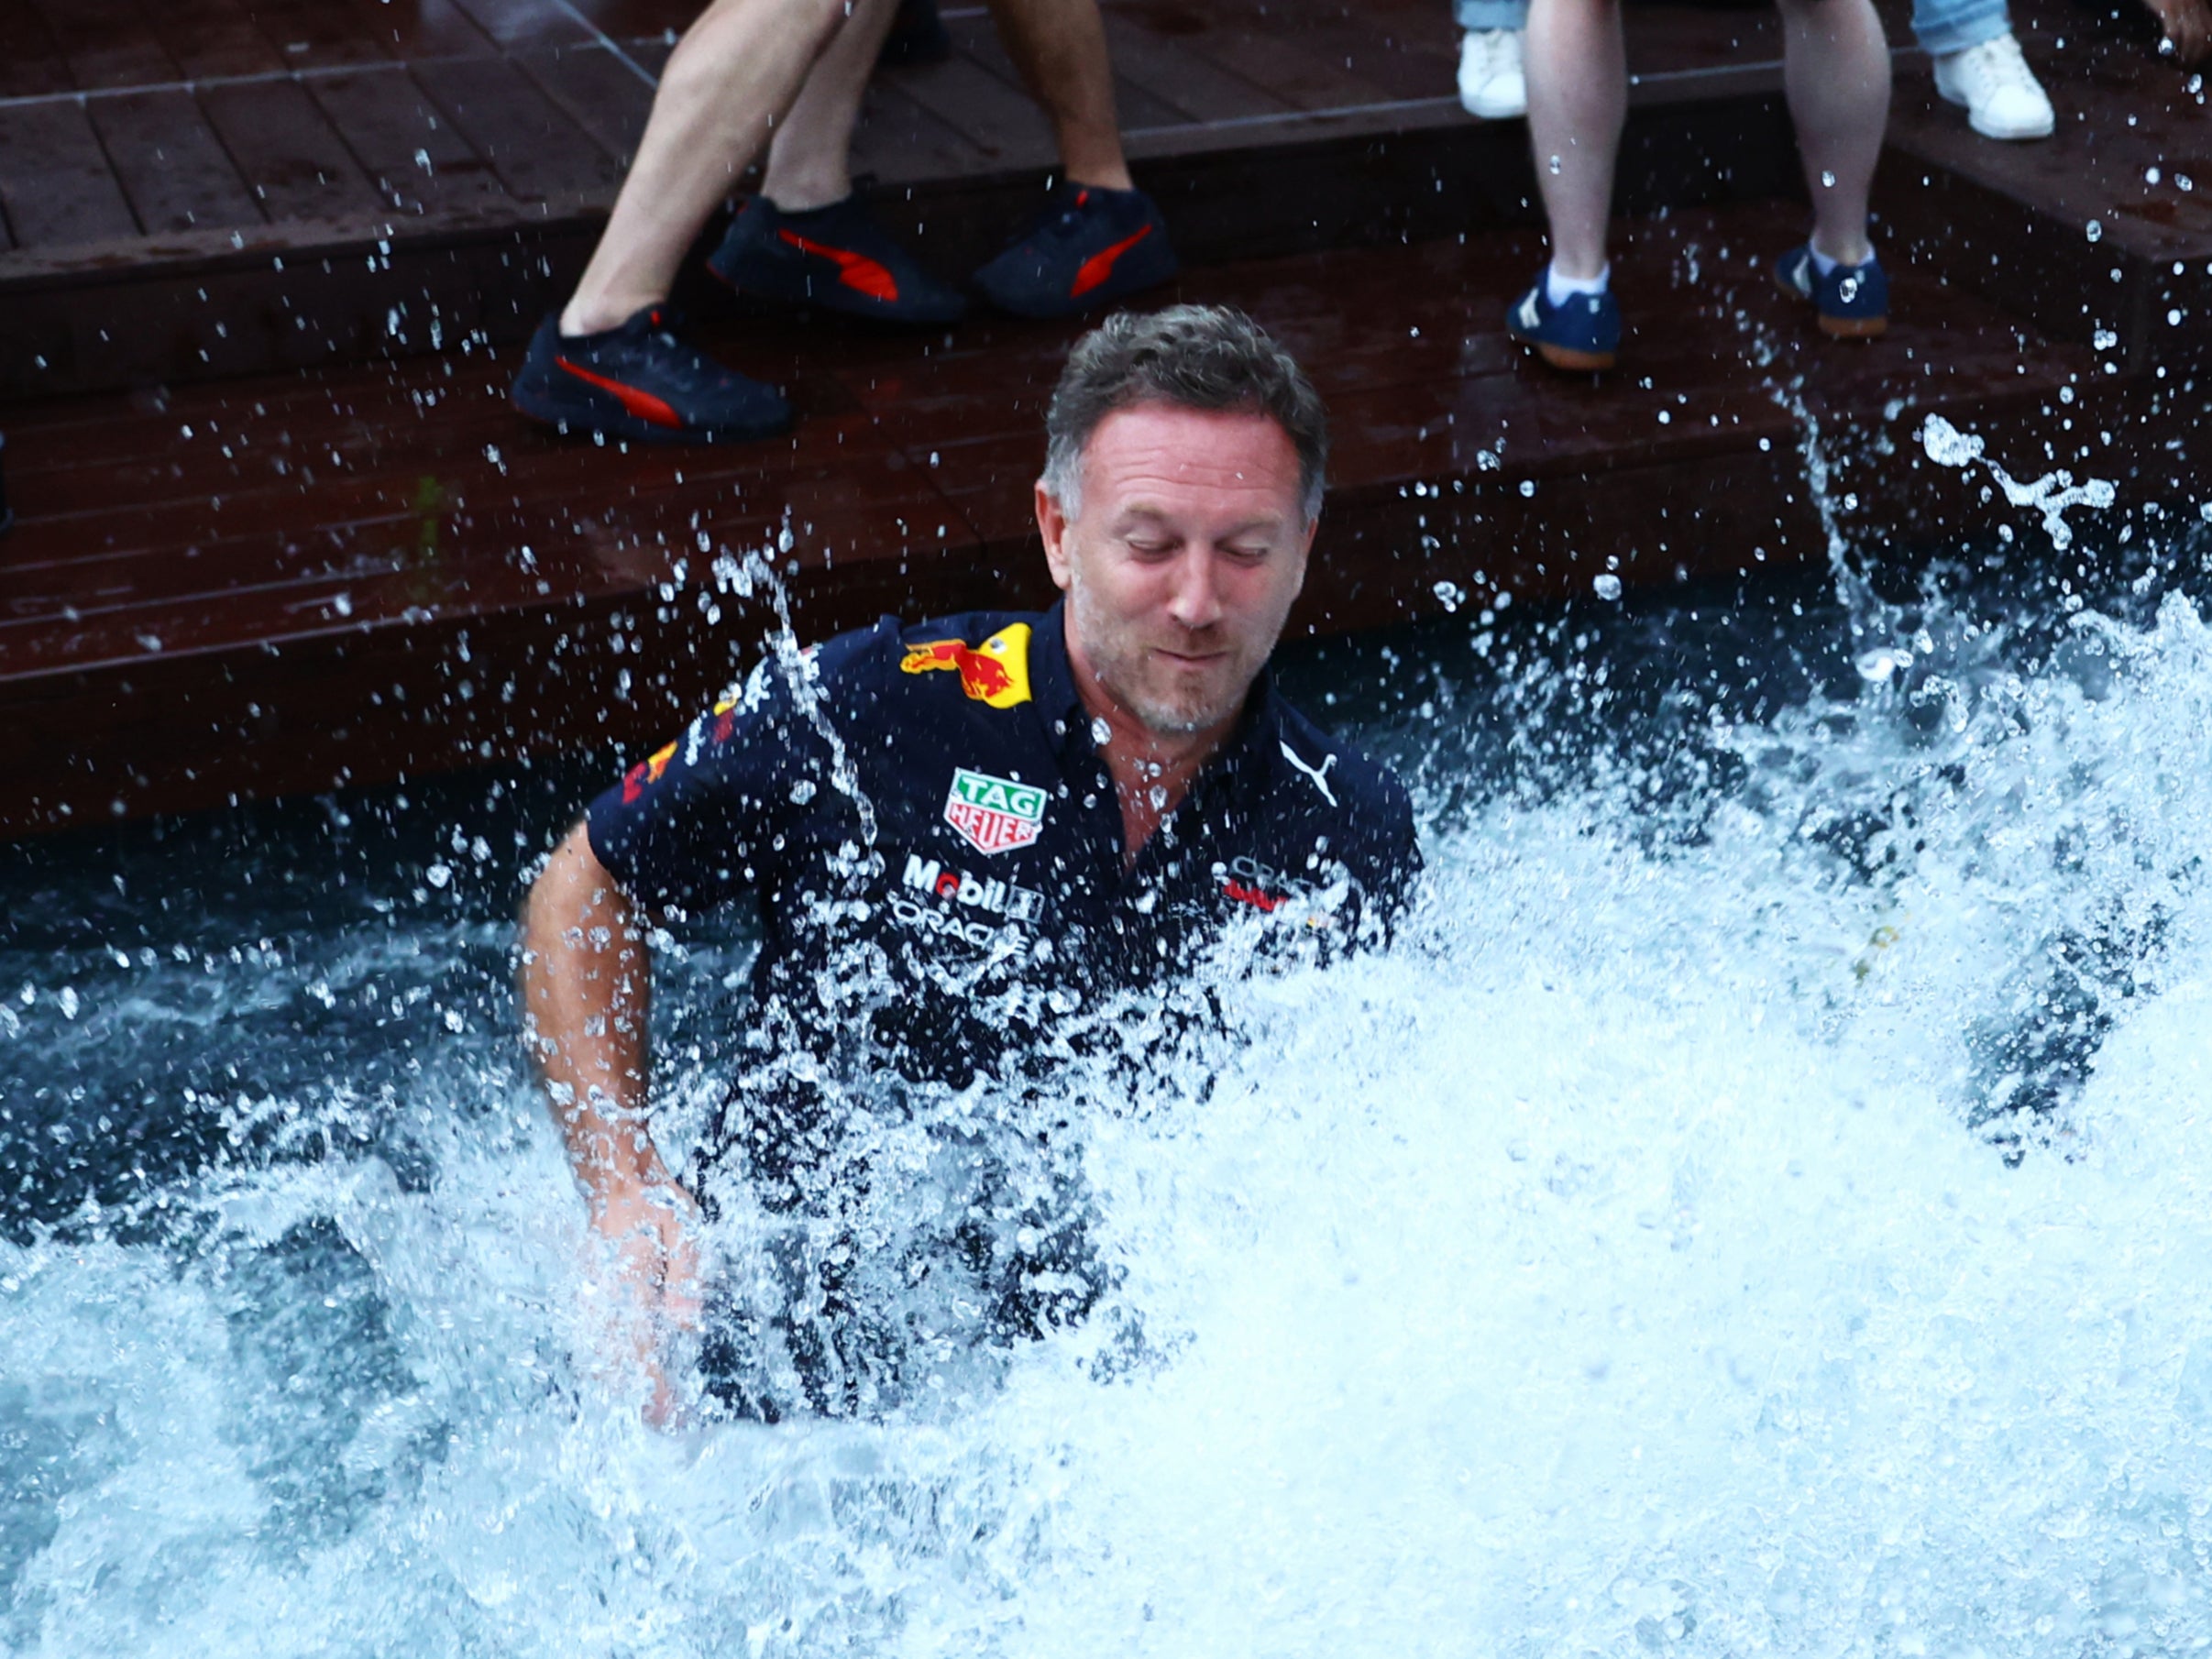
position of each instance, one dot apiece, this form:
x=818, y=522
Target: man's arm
x=586, y=997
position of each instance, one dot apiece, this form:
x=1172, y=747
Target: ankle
x=805, y=195
x=1856, y=250
x=582, y=316
x=1114, y=178
x=1559, y=287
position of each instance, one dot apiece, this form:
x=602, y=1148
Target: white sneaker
x=1490, y=83
x=1999, y=93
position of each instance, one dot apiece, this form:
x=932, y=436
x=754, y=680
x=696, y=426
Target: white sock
x=1558, y=289
x=1821, y=261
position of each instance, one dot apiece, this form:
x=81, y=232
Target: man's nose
x=1196, y=600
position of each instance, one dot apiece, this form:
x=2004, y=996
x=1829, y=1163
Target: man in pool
x=963, y=834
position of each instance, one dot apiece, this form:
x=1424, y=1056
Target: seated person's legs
x=609, y=363
x=1100, y=238
x=804, y=239
x=1577, y=101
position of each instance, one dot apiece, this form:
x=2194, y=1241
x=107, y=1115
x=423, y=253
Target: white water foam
x=1610, y=1269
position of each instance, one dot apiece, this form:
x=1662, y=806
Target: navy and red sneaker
x=833, y=256
x=645, y=382
x=1089, y=247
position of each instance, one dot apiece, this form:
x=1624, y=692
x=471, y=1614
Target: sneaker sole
x=1567, y=358
x=627, y=428
x=755, y=302
x=1854, y=328
x=2002, y=135
x=1492, y=111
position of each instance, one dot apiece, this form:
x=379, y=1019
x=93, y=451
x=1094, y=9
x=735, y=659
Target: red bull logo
x=995, y=672
x=645, y=772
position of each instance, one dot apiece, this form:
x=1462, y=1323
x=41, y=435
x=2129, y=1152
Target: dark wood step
x=180, y=625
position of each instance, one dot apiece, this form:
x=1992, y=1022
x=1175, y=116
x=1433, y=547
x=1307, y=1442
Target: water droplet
x=2152, y=175
x=1448, y=595
x=1878, y=665
x=1555, y=164
x=1101, y=734
x=2094, y=231
x=437, y=876
x=1607, y=586
x=1528, y=487
x=1827, y=181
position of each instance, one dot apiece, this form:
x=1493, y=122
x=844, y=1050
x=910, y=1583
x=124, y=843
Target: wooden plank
x=170, y=164
x=55, y=180
x=317, y=34
x=526, y=23
x=105, y=43
x=993, y=115
x=418, y=162
x=538, y=152
x=977, y=38
x=289, y=155
x=602, y=93
x=31, y=64
x=898, y=141
x=421, y=29
x=1195, y=89
x=1254, y=47
x=213, y=37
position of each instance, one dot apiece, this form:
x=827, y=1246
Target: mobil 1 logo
x=994, y=813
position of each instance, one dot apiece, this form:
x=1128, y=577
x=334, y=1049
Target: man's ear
x=1306, y=553
x=1052, y=527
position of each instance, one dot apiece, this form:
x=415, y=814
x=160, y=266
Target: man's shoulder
x=977, y=657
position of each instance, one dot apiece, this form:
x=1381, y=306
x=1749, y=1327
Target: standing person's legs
x=734, y=72
x=1492, y=84
x=1099, y=238
x=810, y=160
x=805, y=240
x=1060, y=47
x=1578, y=101
x=1979, y=66
x=1835, y=68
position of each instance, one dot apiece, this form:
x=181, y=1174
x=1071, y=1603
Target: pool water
x=1762, y=1203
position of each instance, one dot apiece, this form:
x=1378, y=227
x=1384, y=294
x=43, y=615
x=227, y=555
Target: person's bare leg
x=810, y=160
x=1836, y=70
x=1578, y=100
x=732, y=75
x=1060, y=47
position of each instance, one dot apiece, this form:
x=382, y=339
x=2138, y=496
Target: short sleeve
x=697, y=821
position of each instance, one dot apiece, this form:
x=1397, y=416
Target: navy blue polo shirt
x=924, y=818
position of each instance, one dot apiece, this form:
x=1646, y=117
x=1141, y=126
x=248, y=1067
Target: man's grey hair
x=1210, y=357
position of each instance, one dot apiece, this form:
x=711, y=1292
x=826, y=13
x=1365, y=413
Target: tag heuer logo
x=994, y=813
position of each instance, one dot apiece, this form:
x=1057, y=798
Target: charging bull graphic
x=995, y=672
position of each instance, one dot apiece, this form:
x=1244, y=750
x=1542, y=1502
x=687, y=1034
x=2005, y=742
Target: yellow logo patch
x=995, y=672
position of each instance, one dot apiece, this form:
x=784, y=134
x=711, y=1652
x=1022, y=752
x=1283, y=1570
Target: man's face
x=1180, y=565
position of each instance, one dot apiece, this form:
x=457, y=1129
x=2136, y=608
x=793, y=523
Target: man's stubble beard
x=1117, y=661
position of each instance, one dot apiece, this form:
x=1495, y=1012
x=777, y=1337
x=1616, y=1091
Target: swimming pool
x=1759, y=1207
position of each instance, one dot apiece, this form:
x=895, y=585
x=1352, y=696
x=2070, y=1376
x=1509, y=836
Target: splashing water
x=1758, y=1206
x=1947, y=445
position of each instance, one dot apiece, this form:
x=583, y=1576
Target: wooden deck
x=234, y=575
x=226, y=187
